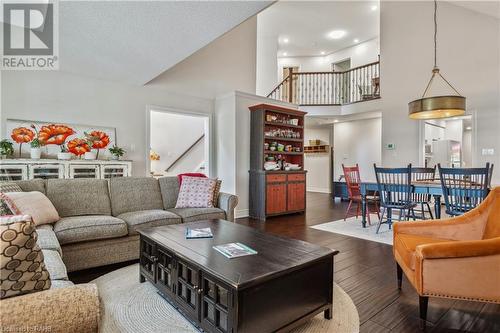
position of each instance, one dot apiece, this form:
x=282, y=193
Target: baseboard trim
x=241, y=213
x=318, y=189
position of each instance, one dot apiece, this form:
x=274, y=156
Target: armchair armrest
x=228, y=203
x=69, y=309
x=459, y=249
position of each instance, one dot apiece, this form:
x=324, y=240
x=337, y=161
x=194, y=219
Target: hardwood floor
x=367, y=272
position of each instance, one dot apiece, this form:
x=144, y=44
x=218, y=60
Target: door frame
x=421, y=138
x=209, y=129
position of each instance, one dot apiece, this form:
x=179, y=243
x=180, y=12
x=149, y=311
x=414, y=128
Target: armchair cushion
x=460, y=249
x=406, y=245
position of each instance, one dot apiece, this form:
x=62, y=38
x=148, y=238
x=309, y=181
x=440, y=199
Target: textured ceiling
x=135, y=41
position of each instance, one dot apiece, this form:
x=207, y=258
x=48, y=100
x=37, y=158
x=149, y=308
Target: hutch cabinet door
x=187, y=289
x=13, y=172
x=46, y=171
x=216, y=305
x=296, y=196
x=84, y=171
x=147, y=259
x=275, y=198
x=117, y=170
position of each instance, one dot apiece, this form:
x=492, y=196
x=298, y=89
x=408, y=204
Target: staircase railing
x=330, y=88
x=181, y=156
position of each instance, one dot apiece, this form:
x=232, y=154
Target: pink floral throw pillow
x=196, y=192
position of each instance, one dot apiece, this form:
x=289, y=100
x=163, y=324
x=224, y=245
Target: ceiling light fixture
x=356, y=40
x=285, y=54
x=437, y=107
x=285, y=40
x=322, y=52
x=374, y=7
x=337, y=34
x=468, y=128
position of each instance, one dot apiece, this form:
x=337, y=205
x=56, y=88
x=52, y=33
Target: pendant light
x=437, y=107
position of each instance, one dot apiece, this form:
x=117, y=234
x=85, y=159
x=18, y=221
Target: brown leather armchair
x=455, y=258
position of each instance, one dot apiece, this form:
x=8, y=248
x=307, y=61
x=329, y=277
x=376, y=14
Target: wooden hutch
x=276, y=137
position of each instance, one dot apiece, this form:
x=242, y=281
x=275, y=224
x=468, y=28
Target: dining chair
x=464, y=188
x=423, y=200
x=395, y=192
x=353, y=182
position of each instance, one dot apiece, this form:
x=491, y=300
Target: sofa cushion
x=169, y=191
x=61, y=284
x=198, y=214
x=55, y=265
x=84, y=228
x=36, y=205
x=23, y=269
x=9, y=187
x=196, y=192
x=406, y=244
x=130, y=194
x=148, y=218
x=32, y=185
x=77, y=197
x=47, y=240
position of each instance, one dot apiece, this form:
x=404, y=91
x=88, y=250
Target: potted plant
x=64, y=154
x=36, y=145
x=6, y=148
x=90, y=140
x=116, y=152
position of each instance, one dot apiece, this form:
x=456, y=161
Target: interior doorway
x=345, y=85
x=178, y=142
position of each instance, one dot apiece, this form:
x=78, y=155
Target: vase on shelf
x=115, y=157
x=35, y=153
x=90, y=155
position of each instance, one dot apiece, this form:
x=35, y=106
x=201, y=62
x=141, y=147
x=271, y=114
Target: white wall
x=171, y=135
x=360, y=54
x=454, y=130
x=357, y=142
x=318, y=164
x=227, y=64
x=267, y=62
x=468, y=55
x=58, y=97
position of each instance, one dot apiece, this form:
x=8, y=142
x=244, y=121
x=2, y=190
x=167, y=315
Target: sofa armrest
x=459, y=249
x=69, y=309
x=228, y=203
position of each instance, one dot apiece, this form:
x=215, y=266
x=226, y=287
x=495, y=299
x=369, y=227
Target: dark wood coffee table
x=286, y=283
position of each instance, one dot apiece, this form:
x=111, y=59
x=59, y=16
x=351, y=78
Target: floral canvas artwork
x=60, y=137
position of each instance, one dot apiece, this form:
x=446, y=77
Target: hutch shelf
x=277, y=138
x=24, y=169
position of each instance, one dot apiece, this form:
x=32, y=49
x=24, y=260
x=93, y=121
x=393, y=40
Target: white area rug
x=353, y=227
x=133, y=307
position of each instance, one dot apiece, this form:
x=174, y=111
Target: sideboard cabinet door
x=10, y=172
x=116, y=170
x=46, y=171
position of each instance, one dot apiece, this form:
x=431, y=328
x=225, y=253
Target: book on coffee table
x=198, y=233
x=234, y=250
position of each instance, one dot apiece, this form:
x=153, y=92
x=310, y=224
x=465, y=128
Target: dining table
x=431, y=187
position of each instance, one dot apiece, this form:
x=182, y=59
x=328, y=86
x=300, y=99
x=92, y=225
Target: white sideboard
x=23, y=169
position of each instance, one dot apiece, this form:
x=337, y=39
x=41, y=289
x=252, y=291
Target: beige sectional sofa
x=98, y=226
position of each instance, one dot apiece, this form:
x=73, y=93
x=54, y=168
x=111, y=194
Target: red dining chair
x=353, y=181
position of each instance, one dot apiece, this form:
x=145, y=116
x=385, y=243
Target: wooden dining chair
x=353, y=182
x=464, y=188
x=422, y=200
x=395, y=192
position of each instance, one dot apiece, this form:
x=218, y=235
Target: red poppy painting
x=22, y=135
x=54, y=134
x=101, y=139
x=78, y=147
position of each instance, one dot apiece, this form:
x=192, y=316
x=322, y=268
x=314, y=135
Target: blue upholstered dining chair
x=395, y=193
x=464, y=188
x=422, y=200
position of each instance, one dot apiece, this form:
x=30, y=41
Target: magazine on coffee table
x=198, y=233
x=234, y=250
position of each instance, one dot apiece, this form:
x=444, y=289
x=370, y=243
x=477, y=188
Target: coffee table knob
x=199, y=291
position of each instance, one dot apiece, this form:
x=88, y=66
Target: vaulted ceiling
x=135, y=41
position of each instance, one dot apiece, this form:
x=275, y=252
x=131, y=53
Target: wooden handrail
x=279, y=85
x=184, y=153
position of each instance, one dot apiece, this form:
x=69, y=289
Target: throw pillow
x=196, y=192
x=22, y=270
x=7, y=207
x=217, y=192
x=36, y=205
x=9, y=187
x=190, y=174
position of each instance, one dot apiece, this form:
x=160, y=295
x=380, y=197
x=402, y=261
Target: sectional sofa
x=98, y=226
